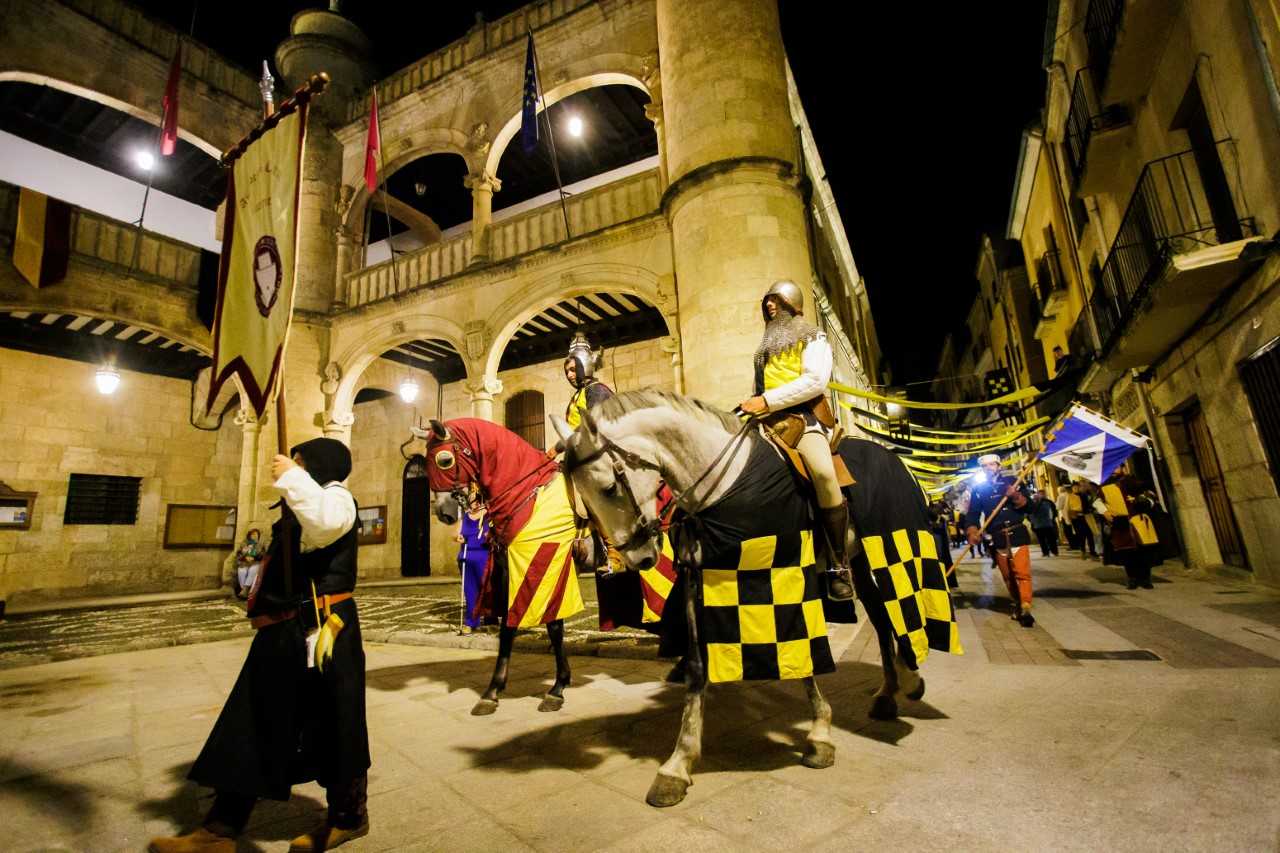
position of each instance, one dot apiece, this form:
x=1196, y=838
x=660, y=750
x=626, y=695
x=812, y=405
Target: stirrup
x=840, y=584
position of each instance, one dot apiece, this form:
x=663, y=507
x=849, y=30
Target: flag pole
x=155, y=163
x=382, y=167
x=1022, y=475
x=551, y=138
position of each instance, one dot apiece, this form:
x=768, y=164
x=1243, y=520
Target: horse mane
x=626, y=402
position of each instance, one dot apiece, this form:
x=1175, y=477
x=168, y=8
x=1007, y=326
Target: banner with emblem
x=256, y=275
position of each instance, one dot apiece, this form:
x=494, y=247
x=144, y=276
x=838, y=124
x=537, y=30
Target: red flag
x=169, y=120
x=372, y=146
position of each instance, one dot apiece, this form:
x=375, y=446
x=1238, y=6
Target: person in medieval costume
x=588, y=391
x=792, y=368
x=297, y=710
x=1005, y=505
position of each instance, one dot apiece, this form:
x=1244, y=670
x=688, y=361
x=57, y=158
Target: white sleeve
x=325, y=513
x=816, y=364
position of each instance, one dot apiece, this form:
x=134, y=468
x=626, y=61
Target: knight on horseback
x=792, y=368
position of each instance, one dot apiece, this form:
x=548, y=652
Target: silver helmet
x=584, y=359
x=788, y=293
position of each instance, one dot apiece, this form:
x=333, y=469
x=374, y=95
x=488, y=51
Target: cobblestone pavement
x=412, y=613
x=1141, y=720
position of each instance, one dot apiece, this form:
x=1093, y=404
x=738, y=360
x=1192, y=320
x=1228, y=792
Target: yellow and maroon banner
x=43, y=238
x=256, y=276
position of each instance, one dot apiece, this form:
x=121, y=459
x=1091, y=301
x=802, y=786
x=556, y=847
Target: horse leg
x=489, y=699
x=675, y=776
x=554, y=700
x=821, y=752
x=883, y=706
x=910, y=681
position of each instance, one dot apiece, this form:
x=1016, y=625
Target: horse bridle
x=646, y=529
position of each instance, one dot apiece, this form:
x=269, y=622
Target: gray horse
x=618, y=459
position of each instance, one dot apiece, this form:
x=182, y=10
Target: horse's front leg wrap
x=676, y=775
x=554, y=699
x=489, y=699
x=821, y=751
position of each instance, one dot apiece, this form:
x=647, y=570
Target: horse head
x=619, y=489
x=444, y=475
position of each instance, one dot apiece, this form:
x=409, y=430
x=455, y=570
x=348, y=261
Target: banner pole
x=551, y=139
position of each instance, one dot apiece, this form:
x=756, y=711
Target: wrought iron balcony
x=1101, y=26
x=1050, y=286
x=1085, y=119
x=1184, y=238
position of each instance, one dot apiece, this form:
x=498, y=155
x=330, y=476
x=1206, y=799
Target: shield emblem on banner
x=267, y=274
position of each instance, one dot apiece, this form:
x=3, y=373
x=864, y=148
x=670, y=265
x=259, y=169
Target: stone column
x=482, y=397
x=247, y=492
x=482, y=187
x=346, y=248
x=338, y=425
x=653, y=112
x=734, y=203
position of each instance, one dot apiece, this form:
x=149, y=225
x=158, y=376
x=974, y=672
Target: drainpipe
x=1159, y=465
x=1260, y=49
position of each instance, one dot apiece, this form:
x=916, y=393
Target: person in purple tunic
x=473, y=555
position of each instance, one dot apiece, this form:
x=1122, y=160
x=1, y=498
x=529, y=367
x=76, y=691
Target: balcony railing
x=1081, y=344
x=1049, y=286
x=611, y=204
x=1101, y=26
x=1182, y=202
x=1086, y=117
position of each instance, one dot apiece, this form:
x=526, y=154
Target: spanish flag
x=256, y=274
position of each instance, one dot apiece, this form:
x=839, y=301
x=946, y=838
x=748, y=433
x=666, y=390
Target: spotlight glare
x=144, y=160
x=408, y=390
x=575, y=126
x=108, y=380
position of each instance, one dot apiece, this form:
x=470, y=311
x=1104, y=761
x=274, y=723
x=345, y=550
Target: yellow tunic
x=786, y=366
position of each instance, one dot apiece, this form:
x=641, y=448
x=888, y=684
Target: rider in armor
x=792, y=369
x=579, y=368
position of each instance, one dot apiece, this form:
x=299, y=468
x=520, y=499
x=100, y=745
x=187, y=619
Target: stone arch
x=580, y=281
x=422, y=142
x=370, y=343
x=605, y=70
x=108, y=101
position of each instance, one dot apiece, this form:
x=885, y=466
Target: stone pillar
x=247, y=494
x=733, y=203
x=482, y=397
x=346, y=249
x=482, y=188
x=338, y=425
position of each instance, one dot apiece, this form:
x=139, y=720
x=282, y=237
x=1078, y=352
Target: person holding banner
x=297, y=710
x=1010, y=539
x=1132, y=536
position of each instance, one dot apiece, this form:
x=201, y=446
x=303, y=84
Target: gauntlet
x=329, y=632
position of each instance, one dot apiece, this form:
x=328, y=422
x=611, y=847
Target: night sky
x=917, y=110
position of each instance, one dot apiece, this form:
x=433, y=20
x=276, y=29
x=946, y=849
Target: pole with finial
x=267, y=87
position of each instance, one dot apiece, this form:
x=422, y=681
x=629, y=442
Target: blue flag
x=529, y=111
x=1090, y=446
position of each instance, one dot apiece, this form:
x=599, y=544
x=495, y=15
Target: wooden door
x=526, y=418
x=415, y=520
x=1221, y=515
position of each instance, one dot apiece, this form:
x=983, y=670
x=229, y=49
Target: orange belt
x=327, y=601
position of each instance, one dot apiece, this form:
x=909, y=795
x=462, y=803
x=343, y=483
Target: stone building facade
x=734, y=201
x=1147, y=204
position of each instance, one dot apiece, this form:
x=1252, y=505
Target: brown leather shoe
x=326, y=838
x=839, y=584
x=197, y=841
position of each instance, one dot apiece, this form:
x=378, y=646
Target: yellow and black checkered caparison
x=913, y=585
x=763, y=619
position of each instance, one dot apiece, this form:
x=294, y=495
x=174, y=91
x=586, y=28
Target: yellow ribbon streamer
x=1012, y=397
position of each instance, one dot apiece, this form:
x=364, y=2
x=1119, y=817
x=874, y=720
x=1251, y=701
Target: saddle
x=785, y=431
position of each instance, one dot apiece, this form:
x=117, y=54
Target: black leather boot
x=835, y=524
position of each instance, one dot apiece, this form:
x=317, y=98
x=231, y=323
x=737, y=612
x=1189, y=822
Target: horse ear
x=439, y=430
x=561, y=426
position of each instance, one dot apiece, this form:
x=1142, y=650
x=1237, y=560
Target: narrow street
x=1137, y=720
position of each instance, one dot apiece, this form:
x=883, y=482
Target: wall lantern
x=108, y=379
x=408, y=390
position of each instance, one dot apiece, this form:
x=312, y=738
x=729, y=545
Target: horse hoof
x=819, y=755
x=551, y=703
x=918, y=693
x=883, y=707
x=484, y=708
x=666, y=791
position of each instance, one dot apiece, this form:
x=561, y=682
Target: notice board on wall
x=199, y=526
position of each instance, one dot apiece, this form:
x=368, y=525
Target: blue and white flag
x=1090, y=446
x=529, y=103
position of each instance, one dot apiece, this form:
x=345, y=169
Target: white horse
x=617, y=460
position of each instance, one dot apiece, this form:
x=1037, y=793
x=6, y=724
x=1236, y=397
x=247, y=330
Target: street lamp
x=107, y=379
x=575, y=126
x=144, y=160
x=408, y=390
